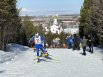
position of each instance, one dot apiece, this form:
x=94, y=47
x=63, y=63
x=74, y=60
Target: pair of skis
x=47, y=59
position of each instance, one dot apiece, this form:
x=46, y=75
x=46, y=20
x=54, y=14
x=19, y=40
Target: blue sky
x=49, y=7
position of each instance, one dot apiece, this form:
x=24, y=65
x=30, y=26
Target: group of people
x=75, y=42
x=87, y=42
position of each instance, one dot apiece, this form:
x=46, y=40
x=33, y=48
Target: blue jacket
x=69, y=40
x=37, y=40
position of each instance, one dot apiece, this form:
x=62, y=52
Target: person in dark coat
x=75, y=42
x=90, y=43
x=78, y=43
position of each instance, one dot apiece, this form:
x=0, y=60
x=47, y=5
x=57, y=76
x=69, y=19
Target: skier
x=38, y=45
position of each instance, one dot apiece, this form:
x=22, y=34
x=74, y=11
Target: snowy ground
x=12, y=51
x=67, y=63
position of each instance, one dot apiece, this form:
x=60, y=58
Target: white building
x=55, y=28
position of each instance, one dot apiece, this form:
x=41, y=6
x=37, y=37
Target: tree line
x=14, y=30
x=10, y=24
x=91, y=20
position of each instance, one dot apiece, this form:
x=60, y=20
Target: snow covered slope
x=12, y=52
x=66, y=63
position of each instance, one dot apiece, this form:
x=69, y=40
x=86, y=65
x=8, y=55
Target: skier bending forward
x=38, y=45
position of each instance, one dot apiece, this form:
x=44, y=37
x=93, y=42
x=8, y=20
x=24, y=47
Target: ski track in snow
x=70, y=64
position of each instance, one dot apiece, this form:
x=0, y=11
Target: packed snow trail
x=70, y=64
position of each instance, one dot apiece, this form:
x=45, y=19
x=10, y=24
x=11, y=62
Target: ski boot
x=46, y=54
x=38, y=59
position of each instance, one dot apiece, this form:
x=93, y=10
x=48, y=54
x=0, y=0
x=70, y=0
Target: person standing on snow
x=57, y=42
x=90, y=43
x=38, y=45
x=75, y=42
x=69, y=41
x=84, y=44
x=78, y=42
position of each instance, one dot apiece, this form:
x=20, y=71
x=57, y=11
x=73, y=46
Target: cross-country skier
x=38, y=39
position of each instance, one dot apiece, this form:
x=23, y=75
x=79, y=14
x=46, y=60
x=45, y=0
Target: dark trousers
x=91, y=48
x=84, y=50
x=76, y=46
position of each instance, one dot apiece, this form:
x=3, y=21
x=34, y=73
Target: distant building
x=58, y=23
x=55, y=28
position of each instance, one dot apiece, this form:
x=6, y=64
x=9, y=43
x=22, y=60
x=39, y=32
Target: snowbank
x=12, y=51
x=16, y=48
